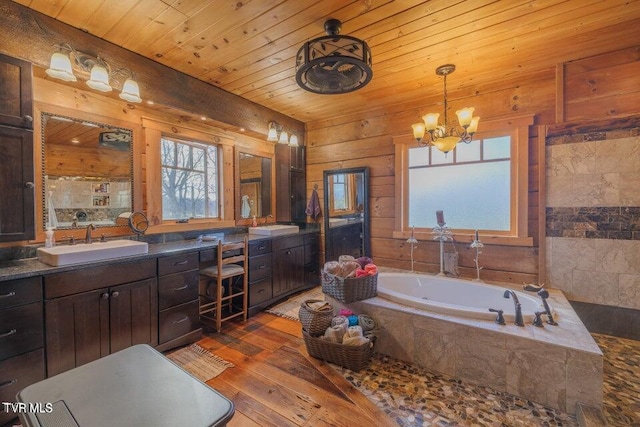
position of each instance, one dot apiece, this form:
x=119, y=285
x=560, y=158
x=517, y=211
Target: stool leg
x=219, y=310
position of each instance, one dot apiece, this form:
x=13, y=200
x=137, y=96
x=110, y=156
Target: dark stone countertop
x=18, y=269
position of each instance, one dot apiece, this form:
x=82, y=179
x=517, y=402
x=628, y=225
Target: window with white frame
x=471, y=185
x=190, y=179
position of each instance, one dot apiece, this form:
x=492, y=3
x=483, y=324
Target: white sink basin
x=74, y=254
x=274, y=230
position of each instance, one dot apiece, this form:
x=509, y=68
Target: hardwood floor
x=276, y=383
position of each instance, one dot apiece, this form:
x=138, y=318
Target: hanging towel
x=246, y=209
x=313, y=207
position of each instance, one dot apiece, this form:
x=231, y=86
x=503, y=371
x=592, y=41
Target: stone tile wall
x=593, y=217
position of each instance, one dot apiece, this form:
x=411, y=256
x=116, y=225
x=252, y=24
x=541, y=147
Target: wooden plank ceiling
x=248, y=47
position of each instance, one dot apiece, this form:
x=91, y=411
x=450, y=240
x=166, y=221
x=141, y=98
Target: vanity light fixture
x=443, y=138
x=277, y=134
x=99, y=72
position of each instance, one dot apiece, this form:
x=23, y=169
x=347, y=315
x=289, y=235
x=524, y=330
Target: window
x=189, y=179
x=482, y=185
x=471, y=184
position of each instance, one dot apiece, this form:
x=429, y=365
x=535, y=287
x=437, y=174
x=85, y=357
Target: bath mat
x=289, y=308
x=199, y=362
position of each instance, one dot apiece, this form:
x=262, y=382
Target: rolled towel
x=335, y=334
x=349, y=269
x=319, y=305
x=353, y=331
x=360, y=272
x=340, y=320
x=355, y=341
x=345, y=312
x=353, y=320
x=371, y=269
x=366, y=323
x=332, y=267
x=343, y=258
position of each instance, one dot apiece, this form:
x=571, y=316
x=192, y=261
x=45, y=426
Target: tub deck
x=557, y=366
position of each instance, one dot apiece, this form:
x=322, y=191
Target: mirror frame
x=272, y=195
x=43, y=110
x=366, y=238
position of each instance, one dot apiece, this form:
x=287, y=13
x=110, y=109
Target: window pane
x=471, y=195
x=497, y=148
x=468, y=152
x=189, y=180
x=440, y=158
x=418, y=156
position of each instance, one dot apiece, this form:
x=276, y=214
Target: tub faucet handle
x=499, y=316
x=544, y=294
x=537, y=321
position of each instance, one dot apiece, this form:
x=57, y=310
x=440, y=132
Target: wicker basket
x=350, y=289
x=354, y=357
x=314, y=321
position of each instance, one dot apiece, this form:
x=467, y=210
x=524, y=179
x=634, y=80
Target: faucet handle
x=103, y=238
x=537, y=321
x=499, y=316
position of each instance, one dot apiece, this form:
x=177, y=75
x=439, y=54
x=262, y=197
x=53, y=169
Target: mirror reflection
x=347, y=221
x=255, y=185
x=87, y=172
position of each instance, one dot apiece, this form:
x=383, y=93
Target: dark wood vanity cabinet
x=16, y=151
x=21, y=338
x=179, y=316
x=93, y=312
x=16, y=93
x=291, y=184
x=288, y=264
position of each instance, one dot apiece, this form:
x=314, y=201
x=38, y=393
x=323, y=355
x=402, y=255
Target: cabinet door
x=16, y=100
x=298, y=197
x=77, y=330
x=288, y=270
x=296, y=157
x=16, y=190
x=133, y=314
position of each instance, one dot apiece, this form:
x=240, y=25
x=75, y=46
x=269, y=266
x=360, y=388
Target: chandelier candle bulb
x=440, y=218
x=476, y=238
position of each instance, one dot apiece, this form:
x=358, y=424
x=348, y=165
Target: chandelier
x=443, y=138
x=333, y=64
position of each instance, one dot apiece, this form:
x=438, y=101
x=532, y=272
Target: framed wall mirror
x=87, y=172
x=254, y=186
x=346, y=222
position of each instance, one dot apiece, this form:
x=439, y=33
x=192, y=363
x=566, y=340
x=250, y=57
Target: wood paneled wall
x=366, y=140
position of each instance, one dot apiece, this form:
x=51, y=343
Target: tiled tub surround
x=593, y=222
x=556, y=366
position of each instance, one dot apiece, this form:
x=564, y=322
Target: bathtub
x=456, y=297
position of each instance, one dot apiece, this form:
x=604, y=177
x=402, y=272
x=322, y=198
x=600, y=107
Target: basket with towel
x=315, y=316
x=342, y=344
x=350, y=280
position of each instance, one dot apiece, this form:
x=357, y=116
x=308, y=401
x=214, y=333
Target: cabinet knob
x=115, y=294
x=28, y=118
x=105, y=295
x=29, y=184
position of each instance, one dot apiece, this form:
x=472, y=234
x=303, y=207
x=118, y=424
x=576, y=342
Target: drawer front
x=101, y=276
x=17, y=373
x=178, y=321
x=20, y=329
x=209, y=254
x=21, y=291
x=177, y=263
x=287, y=242
x=177, y=288
x=259, y=267
x=260, y=291
x=259, y=247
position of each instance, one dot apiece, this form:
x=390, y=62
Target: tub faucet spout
x=518, y=306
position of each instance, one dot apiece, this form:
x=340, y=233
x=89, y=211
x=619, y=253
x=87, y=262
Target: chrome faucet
x=87, y=237
x=518, y=306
